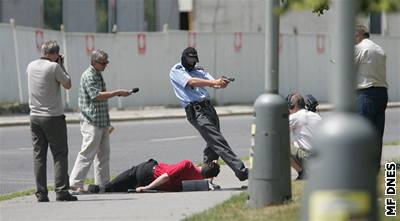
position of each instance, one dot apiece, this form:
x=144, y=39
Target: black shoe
x=66, y=197
x=92, y=188
x=302, y=175
x=42, y=198
x=245, y=175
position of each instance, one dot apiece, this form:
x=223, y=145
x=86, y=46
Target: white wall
x=304, y=63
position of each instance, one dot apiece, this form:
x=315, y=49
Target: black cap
x=190, y=52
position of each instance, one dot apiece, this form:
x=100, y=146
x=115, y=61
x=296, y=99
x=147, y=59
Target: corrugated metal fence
x=144, y=59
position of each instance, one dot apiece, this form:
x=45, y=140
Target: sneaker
x=66, y=197
x=42, y=198
x=92, y=188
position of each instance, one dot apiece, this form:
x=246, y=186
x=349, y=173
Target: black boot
x=65, y=196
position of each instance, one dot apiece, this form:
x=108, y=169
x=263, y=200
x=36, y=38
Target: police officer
x=189, y=84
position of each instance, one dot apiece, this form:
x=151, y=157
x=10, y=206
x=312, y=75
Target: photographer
x=47, y=120
x=302, y=124
x=189, y=84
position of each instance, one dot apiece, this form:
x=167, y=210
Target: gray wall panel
x=302, y=67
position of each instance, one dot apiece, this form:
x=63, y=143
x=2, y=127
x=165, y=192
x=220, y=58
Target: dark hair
x=210, y=169
x=294, y=100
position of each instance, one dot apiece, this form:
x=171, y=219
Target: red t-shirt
x=184, y=170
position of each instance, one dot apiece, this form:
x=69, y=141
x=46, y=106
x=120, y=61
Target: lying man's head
x=210, y=169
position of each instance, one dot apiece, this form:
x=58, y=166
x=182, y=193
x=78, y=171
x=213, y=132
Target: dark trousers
x=206, y=121
x=50, y=131
x=371, y=103
x=140, y=175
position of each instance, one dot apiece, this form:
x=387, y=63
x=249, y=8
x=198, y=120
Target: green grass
x=236, y=207
x=10, y=196
x=394, y=143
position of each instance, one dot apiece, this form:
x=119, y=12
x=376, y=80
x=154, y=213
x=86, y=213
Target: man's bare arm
x=109, y=94
x=198, y=82
x=156, y=183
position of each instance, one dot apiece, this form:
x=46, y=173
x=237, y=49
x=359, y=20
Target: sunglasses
x=102, y=63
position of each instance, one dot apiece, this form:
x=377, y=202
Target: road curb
x=158, y=114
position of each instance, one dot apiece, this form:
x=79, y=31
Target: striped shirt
x=93, y=111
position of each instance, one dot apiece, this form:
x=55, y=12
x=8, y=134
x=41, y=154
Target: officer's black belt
x=198, y=105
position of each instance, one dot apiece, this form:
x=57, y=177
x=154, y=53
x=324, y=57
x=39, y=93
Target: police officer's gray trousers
x=206, y=121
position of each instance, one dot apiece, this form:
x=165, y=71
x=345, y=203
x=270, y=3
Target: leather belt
x=197, y=106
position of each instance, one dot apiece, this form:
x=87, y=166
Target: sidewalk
x=148, y=113
x=134, y=206
x=123, y=206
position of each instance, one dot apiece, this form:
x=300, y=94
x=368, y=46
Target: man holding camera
x=95, y=123
x=47, y=120
x=302, y=122
x=189, y=84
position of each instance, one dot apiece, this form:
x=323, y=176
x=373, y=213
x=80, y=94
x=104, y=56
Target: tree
x=52, y=14
x=318, y=6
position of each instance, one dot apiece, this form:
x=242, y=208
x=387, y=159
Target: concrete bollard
x=342, y=180
x=269, y=181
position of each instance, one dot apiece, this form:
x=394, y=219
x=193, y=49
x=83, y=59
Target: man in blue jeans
x=372, y=97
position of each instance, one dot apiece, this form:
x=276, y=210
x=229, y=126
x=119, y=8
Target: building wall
x=167, y=12
x=130, y=15
x=249, y=16
x=144, y=60
x=79, y=16
x=25, y=12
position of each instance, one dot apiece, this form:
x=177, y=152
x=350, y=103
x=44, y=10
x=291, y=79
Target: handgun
x=228, y=79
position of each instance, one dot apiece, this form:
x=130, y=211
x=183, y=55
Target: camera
x=60, y=59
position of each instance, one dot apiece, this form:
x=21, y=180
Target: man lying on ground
x=152, y=175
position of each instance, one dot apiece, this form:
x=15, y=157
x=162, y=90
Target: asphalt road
x=168, y=140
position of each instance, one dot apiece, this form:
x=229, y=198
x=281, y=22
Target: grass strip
x=235, y=208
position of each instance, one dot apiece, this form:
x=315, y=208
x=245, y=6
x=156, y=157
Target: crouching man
x=302, y=124
x=153, y=175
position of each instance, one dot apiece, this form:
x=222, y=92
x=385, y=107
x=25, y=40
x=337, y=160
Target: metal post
x=67, y=99
x=342, y=181
x=14, y=29
x=271, y=51
x=269, y=181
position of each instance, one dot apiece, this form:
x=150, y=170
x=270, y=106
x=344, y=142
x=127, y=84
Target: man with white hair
x=47, y=120
x=372, y=97
x=95, y=123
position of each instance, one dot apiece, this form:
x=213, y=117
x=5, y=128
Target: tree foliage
x=319, y=6
x=52, y=14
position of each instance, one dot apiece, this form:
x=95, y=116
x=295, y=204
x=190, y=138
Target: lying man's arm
x=156, y=183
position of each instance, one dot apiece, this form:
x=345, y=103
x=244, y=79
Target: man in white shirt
x=372, y=97
x=302, y=124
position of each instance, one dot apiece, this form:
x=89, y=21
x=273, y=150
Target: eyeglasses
x=102, y=63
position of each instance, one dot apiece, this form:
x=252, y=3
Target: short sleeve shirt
x=185, y=93
x=370, y=62
x=93, y=111
x=184, y=170
x=44, y=79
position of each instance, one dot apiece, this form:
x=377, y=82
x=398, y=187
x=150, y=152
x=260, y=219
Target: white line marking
x=173, y=138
